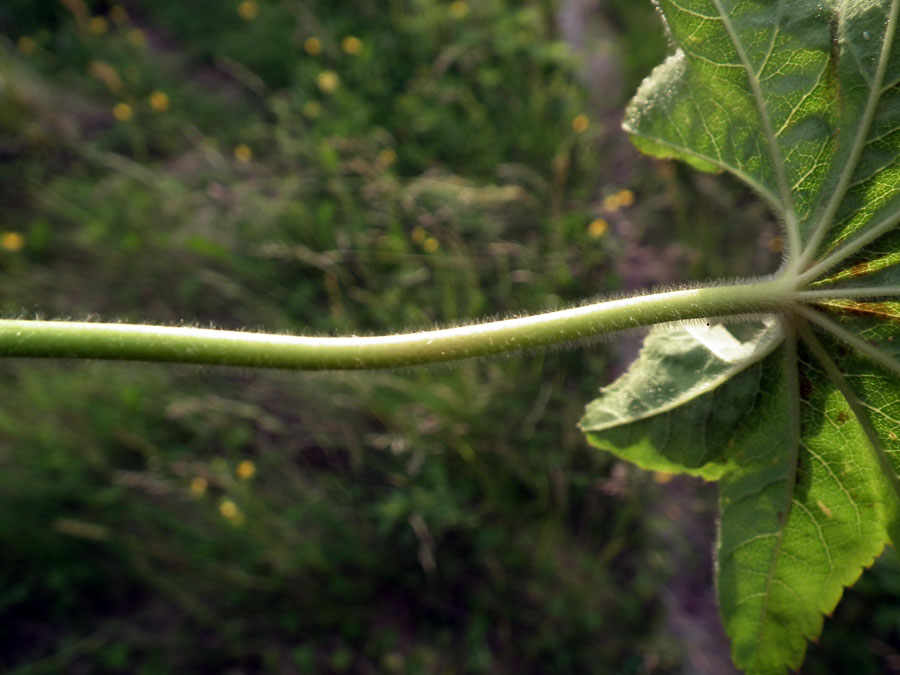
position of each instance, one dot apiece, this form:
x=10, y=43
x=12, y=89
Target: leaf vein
x=803, y=99
x=840, y=485
x=747, y=178
x=775, y=32
x=693, y=12
x=821, y=534
x=787, y=199
x=859, y=141
x=793, y=385
x=853, y=340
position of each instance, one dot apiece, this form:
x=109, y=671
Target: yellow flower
x=248, y=10
x=159, y=101
x=328, y=81
x=418, y=234
x=98, y=25
x=312, y=109
x=198, y=486
x=352, y=45
x=118, y=14
x=122, y=112
x=597, y=228
x=387, y=157
x=580, y=124
x=662, y=478
x=459, y=9
x=626, y=198
x=26, y=45
x=104, y=72
x=243, y=153
x=12, y=241
x=616, y=201
x=245, y=470
x=431, y=245
x=312, y=46
x=136, y=37
x=230, y=510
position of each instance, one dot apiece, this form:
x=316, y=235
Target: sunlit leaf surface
x=797, y=416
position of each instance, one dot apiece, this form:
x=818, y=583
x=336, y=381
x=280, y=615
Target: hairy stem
x=59, y=339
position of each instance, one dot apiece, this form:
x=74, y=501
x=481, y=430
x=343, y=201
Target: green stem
x=59, y=339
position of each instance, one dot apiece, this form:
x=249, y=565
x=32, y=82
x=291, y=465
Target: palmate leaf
x=798, y=415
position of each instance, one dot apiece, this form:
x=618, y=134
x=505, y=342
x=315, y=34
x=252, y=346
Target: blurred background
x=350, y=167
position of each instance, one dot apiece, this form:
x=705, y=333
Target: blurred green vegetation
x=331, y=167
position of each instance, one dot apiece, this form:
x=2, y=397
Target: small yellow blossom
x=243, y=153
x=580, y=124
x=245, y=470
x=459, y=9
x=387, y=157
x=118, y=14
x=328, y=81
x=159, y=101
x=312, y=46
x=626, y=198
x=12, y=241
x=352, y=45
x=418, y=234
x=98, y=25
x=122, y=112
x=662, y=478
x=136, y=38
x=230, y=510
x=431, y=245
x=618, y=200
x=26, y=45
x=597, y=228
x=107, y=74
x=248, y=10
x=198, y=486
x=312, y=109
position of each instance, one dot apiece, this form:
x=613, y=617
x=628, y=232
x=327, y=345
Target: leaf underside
x=798, y=415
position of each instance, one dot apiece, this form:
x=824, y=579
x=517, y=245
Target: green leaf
x=801, y=511
x=797, y=415
x=676, y=408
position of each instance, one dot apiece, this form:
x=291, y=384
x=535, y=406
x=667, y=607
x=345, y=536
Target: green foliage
x=394, y=522
x=797, y=420
x=333, y=225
